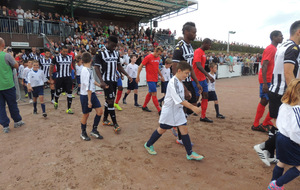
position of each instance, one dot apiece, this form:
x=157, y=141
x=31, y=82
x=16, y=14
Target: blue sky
x=253, y=20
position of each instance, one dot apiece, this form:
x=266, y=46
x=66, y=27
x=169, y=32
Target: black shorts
x=274, y=104
x=212, y=96
x=64, y=83
x=164, y=86
x=132, y=85
x=38, y=91
x=190, y=87
x=84, y=103
x=110, y=92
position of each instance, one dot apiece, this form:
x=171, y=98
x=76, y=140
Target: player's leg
x=129, y=88
x=110, y=105
x=125, y=96
x=35, y=96
x=151, y=88
x=119, y=94
x=68, y=88
x=136, y=97
x=58, y=91
x=204, y=102
x=154, y=137
x=155, y=101
x=4, y=120
x=78, y=84
x=187, y=144
x=99, y=111
x=41, y=98
x=85, y=110
x=108, y=95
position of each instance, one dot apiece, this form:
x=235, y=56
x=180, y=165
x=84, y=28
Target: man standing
x=8, y=90
x=33, y=54
x=63, y=83
x=265, y=77
x=286, y=68
x=109, y=60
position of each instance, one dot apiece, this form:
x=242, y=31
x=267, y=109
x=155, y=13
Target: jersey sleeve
x=291, y=54
x=177, y=54
x=84, y=79
x=174, y=90
x=10, y=60
x=98, y=59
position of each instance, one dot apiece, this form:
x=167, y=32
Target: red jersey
x=268, y=54
x=151, y=64
x=199, y=56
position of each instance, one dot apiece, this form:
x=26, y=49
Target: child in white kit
x=166, y=72
x=26, y=70
x=79, y=67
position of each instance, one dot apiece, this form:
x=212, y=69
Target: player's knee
x=183, y=129
x=120, y=88
x=205, y=95
x=263, y=101
x=99, y=111
x=161, y=131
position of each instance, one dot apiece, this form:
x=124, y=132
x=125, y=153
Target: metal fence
x=35, y=26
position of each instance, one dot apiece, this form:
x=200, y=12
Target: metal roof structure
x=144, y=10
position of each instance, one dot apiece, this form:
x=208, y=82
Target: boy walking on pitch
x=36, y=80
x=25, y=79
x=151, y=63
x=132, y=70
x=166, y=72
x=212, y=96
x=172, y=114
x=88, y=98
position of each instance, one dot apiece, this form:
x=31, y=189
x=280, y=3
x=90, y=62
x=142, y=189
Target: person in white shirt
x=166, y=72
x=288, y=137
x=28, y=67
x=79, y=67
x=20, y=13
x=132, y=70
x=88, y=98
x=28, y=17
x=212, y=96
x=172, y=114
x=36, y=79
x=126, y=58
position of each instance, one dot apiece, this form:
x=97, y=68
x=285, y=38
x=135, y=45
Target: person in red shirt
x=151, y=63
x=198, y=66
x=265, y=77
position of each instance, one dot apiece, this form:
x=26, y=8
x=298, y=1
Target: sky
x=252, y=20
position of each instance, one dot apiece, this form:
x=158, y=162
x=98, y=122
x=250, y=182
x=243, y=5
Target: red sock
x=204, y=103
x=155, y=102
x=267, y=120
x=147, y=99
x=119, y=95
x=259, y=113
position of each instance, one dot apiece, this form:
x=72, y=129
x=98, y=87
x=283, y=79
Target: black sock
x=83, y=128
x=25, y=90
x=69, y=102
x=34, y=106
x=43, y=108
x=277, y=172
x=217, y=109
x=288, y=176
x=29, y=95
x=154, y=137
x=105, y=112
x=270, y=145
x=179, y=134
x=187, y=143
x=112, y=114
x=135, y=99
x=52, y=94
x=96, y=121
x=162, y=99
x=125, y=96
x=56, y=99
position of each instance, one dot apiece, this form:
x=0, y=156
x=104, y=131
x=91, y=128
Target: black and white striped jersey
x=34, y=56
x=287, y=53
x=24, y=57
x=184, y=52
x=45, y=65
x=108, y=61
x=63, y=65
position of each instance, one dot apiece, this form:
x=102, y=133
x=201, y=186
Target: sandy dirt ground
x=47, y=153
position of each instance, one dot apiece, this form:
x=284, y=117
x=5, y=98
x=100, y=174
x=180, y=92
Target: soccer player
x=25, y=78
x=109, y=60
x=286, y=68
x=151, y=62
x=264, y=78
x=201, y=74
x=166, y=72
x=172, y=113
x=212, y=96
x=33, y=54
x=63, y=82
x=88, y=98
x=36, y=80
x=45, y=63
x=132, y=70
x=184, y=52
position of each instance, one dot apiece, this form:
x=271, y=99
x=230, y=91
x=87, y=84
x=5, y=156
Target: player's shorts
x=190, y=87
x=204, y=87
x=84, y=103
x=132, y=85
x=152, y=86
x=73, y=74
x=65, y=84
x=37, y=91
x=78, y=79
x=119, y=83
x=287, y=150
x=274, y=104
x=164, y=86
x=165, y=126
x=110, y=92
x=212, y=96
x=261, y=94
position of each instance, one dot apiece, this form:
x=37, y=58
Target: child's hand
x=196, y=110
x=89, y=104
x=30, y=89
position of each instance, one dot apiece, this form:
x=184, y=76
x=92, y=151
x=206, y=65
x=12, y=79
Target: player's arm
x=121, y=70
x=89, y=92
x=190, y=106
x=290, y=59
x=161, y=76
x=264, y=70
x=51, y=70
x=97, y=61
x=29, y=83
x=199, y=66
x=289, y=72
x=138, y=73
x=193, y=75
